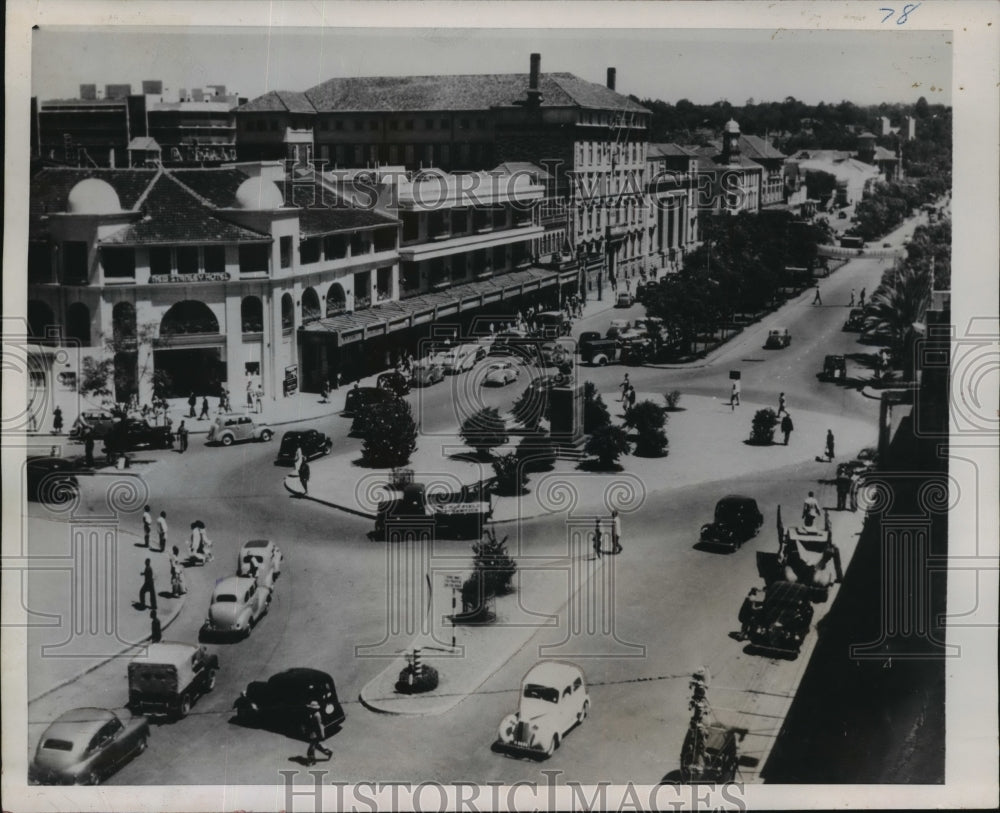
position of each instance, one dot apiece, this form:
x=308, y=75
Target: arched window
x=189, y=316
x=252, y=314
x=78, y=323
x=336, y=300
x=287, y=312
x=40, y=318
x=310, y=305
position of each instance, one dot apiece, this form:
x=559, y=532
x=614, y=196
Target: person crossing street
x=317, y=733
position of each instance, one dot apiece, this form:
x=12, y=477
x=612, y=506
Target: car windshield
x=534, y=691
x=58, y=745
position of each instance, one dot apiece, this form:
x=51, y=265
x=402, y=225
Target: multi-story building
x=736, y=181
x=672, y=186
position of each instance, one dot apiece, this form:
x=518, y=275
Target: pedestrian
x=631, y=396
x=787, y=427
x=829, y=444
x=843, y=487
x=299, y=457
x=177, y=585
x=147, y=587
x=57, y=421
x=855, y=485
x=317, y=733
x=861, y=299
x=88, y=447
x=259, y=399
x=204, y=408
x=192, y=402
x=155, y=630
x=161, y=529
x=304, y=478
x=817, y=300
x=182, y=437
x=810, y=510
x=851, y=303
x=616, y=532
x=324, y=395
x=734, y=396
x=337, y=380
x=781, y=403
x=597, y=538
x=249, y=394
x=625, y=385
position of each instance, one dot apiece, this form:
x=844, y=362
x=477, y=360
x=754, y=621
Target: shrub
x=494, y=567
x=536, y=453
x=390, y=434
x=762, y=428
x=673, y=399
x=510, y=474
x=484, y=431
x=607, y=444
x=651, y=443
x=646, y=416
x=595, y=412
x=531, y=406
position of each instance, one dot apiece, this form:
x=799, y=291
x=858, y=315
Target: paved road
x=678, y=602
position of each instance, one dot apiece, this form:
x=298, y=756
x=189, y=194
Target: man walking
x=182, y=437
x=616, y=532
x=843, y=487
x=624, y=388
x=192, y=402
x=851, y=303
x=597, y=538
x=161, y=529
x=156, y=631
x=787, y=427
x=147, y=525
x=817, y=300
x=177, y=582
x=829, y=444
x=204, y=409
x=317, y=733
x=734, y=396
x=781, y=403
x=304, y=478
x=861, y=299
x=147, y=587
x=57, y=421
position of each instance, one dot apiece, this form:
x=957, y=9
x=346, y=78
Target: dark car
x=313, y=443
x=359, y=398
x=394, y=382
x=85, y=746
x=855, y=320
x=834, y=368
x=737, y=519
x=781, y=622
x=281, y=703
x=131, y=433
x=51, y=480
x=99, y=421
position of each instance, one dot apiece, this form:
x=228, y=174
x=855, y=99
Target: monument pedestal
x=566, y=415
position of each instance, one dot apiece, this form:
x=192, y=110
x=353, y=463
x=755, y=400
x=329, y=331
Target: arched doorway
x=310, y=305
x=189, y=354
x=78, y=323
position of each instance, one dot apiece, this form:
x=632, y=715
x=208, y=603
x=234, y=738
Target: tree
x=762, y=427
x=493, y=564
x=510, y=474
x=94, y=376
x=607, y=444
x=536, y=453
x=646, y=415
x=390, y=434
x=531, y=406
x=595, y=412
x=484, y=431
x=897, y=304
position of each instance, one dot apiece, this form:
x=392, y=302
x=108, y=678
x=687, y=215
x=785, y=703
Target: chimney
x=612, y=73
x=534, y=94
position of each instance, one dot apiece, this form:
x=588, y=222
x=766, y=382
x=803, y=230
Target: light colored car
x=777, y=338
x=228, y=429
x=260, y=559
x=617, y=327
x=500, y=374
x=624, y=300
x=85, y=746
x=553, y=700
x=461, y=358
x=238, y=603
x=426, y=373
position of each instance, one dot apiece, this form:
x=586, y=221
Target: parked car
x=426, y=373
x=777, y=338
x=313, y=443
x=553, y=700
x=360, y=398
x=555, y=353
x=132, y=433
x=781, y=622
x=500, y=374
x=282, y=702
x=229, y=429
x=99, y=421
x=855, y=320
x=553, y=323
x=737, y=519
x=238, y=603
x=617, y=327
x=460, y=358
x=624, y=300
x=394, y=382
x=51, y=481
x=834, y=368
x=598, y=351
x=85, y=746
x=260, y=559
x=170, y=677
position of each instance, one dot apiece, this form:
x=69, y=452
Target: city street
x=676, y=602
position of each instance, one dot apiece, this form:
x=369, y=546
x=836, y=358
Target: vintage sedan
x=229, y=429
x=260, y=559
x=132, y=433
x=426, y=373
x=777, y=338
x=737, y=519
x=553, y=700
x=312, y=442
x=51, y=480
x=855, y=320
x=85, y=746
x=394, y=382
x=779, y=623
x=282, y=702
x=500, y=374
x=238, y=603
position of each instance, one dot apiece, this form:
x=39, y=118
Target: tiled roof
x=669, y=150
x=290, y=101
x=758, y=148
x=883, y=154
x=459, y=92
x=175, y=215
x=49, y=191
x=216, y=185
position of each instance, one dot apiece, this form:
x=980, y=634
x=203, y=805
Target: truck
x=169, y=678
x=596, y=350
x=458, y=515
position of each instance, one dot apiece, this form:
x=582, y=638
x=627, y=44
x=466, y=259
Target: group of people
x=199, y=550
x=628, y=393
x=616, y=535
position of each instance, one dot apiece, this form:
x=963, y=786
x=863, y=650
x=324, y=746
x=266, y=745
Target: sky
x=704, y=66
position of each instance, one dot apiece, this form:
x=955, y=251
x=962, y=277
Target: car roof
x=71, y=724
x=256, y=543
x=738, y=498
x=234, y=583
x=299, y=675
x=553, y=672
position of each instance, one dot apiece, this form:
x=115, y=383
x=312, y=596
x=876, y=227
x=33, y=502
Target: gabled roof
x=669, y=150
x=285, y=101
x=216, y=186
x=144, y=143
x=757, y=148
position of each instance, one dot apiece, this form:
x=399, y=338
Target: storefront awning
x=389, y=317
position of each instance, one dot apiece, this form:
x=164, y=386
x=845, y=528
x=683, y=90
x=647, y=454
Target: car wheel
x=141, y=745
x=553, y=744
x=227, y=440
x=185, y=707
x=265, y=436
x=328, y=448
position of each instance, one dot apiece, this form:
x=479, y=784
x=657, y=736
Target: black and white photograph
x=496, y=406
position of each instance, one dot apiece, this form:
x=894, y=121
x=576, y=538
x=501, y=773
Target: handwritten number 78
x=908, y=9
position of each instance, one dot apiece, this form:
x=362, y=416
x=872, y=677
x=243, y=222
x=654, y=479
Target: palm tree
x=900, y=301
